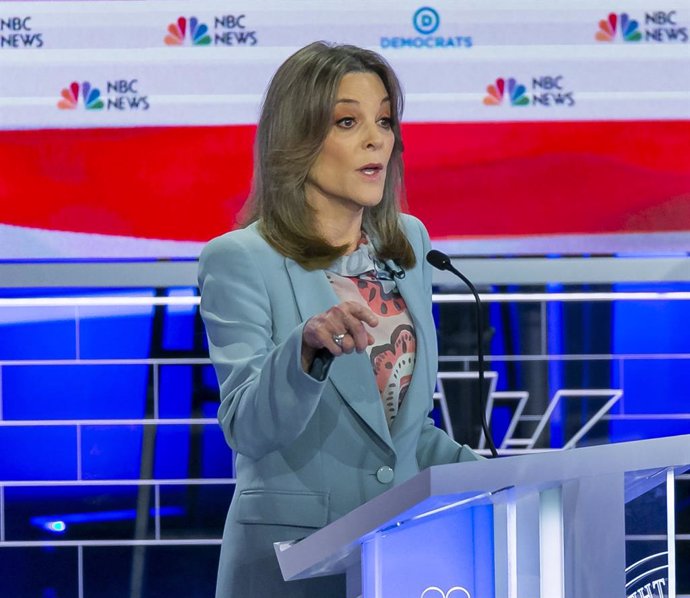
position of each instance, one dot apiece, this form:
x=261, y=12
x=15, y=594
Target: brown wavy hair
x=296, y=117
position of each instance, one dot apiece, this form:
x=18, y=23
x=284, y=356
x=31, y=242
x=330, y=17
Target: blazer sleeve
x=266, y=398
x=435, y=447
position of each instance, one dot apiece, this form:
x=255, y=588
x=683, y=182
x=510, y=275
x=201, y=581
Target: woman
x=318, y=315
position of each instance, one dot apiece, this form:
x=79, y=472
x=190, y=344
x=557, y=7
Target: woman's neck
x=342, y=230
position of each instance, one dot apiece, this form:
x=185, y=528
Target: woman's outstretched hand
x=339, y=330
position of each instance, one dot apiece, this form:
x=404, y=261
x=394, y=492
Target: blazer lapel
x=313, y=295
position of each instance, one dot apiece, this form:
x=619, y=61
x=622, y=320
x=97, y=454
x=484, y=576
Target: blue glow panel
x=209, y=378
x=655, y=385
x=172, y=451
x=554, y=331
x=175, y=391
x=203, y=510
x=218, y=458
x=170, y=571
x=43, y=453
x=500, y=420
x=39, y=572
x=446, y=551
x=112, y=452
x=72, y=513
x=53, y=335
x=115, y=332
x=178, y=335
x=74, y=391
x=651, y=326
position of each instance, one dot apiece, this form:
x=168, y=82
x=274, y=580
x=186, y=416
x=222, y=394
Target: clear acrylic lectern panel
x=396, y=561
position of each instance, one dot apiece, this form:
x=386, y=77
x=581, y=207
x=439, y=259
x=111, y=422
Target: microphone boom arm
x=442, y=262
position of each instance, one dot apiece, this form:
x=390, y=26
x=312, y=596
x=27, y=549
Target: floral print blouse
x=361, y=277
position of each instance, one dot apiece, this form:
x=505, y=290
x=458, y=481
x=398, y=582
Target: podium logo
x=228, y=30
x=659, y=27
x=91, y=97
x=198, y=33
x=648, y=577
x=426, y=22
x=454, y=592
x=545, y=90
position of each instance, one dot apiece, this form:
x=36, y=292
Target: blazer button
x=385, y=474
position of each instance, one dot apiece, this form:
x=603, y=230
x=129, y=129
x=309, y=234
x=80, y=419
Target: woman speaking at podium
x=318, y=315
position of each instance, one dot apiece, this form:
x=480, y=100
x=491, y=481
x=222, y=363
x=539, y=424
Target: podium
x=541, y=525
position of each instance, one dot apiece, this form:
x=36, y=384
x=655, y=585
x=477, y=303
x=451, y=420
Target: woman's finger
x=357, y=332
x=361, y=312
x=341, y=329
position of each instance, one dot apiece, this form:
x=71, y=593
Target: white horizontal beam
x=141, y=482
x=482, y=271
x=73, y=543
x=115, y=301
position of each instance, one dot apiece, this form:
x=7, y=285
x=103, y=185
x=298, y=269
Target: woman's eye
x=346, y=122
x=386, y=122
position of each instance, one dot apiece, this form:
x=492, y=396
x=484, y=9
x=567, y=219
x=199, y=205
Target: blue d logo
x=426, y=20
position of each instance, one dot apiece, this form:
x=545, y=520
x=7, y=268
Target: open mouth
x=371, y=169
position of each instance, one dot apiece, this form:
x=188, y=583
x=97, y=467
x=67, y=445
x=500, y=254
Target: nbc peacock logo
x=629, y=28
x=497, y=91
x=120, y=95
x=91, y=97
x=198, y=32
x=543, y=90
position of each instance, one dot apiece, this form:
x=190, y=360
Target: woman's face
x=350, y=171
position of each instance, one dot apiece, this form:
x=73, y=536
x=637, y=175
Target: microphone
x=441, y=261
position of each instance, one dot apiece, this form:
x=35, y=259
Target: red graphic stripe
x=464, y=179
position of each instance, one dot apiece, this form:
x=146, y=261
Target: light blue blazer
x=307, y=451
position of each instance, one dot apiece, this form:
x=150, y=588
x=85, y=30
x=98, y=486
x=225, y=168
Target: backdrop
x=126, y=128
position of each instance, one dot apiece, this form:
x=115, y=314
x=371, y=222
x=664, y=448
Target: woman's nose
x=373, y=136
